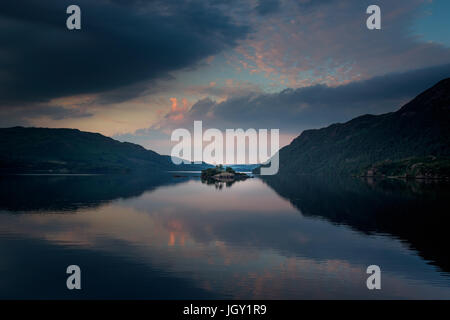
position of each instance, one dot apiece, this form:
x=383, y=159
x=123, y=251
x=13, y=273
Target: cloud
x=310, y=42
x=267, y=6
x=231, y=62
x=22, y=115
x=120, y=45
x=294, y=110
x=148, y=138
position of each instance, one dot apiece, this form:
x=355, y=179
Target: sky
x=139, y=69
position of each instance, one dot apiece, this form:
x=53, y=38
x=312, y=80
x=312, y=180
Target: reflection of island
x=416, y=212
x=220, y=176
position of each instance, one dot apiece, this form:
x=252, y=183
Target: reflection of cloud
x=171, y=239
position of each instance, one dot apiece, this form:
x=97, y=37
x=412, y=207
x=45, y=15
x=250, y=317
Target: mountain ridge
x=418, y=130
x=62, y=150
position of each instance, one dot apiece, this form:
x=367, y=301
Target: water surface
x=166, y=237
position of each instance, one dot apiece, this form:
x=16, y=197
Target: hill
x=413, y=141
x=43, y=150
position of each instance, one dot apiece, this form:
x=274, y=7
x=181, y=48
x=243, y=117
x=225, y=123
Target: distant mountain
x=43, y=150
x=242, y=167
x=413, y=141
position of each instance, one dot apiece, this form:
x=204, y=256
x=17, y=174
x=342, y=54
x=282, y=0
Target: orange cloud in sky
x=177, y=117
x=176, y=108
x=174, y=103
x=185, y=103
x=177, y=112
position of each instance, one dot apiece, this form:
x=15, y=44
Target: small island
x=222, y=174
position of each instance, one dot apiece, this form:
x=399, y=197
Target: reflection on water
x=220, y=184
x=173, y=237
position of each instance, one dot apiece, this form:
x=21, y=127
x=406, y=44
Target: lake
x=174, y=237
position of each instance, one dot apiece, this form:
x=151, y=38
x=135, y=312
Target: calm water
x=176, y=237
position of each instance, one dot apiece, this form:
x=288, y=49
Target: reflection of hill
x=415, y=212
x=71, y=192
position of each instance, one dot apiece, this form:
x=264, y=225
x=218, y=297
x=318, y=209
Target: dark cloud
x=11, y=117
x=267, y=6
x=294, y=110
x=120, y=44
x=59, y=113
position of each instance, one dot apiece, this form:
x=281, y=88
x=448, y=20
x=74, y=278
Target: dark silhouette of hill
x=43, y=150
x=413, y=141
